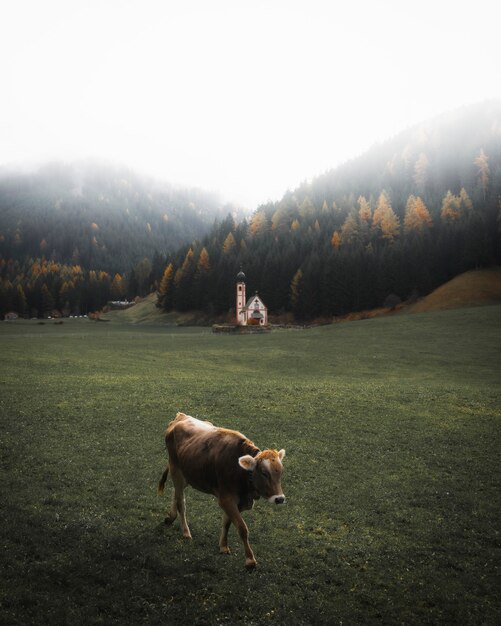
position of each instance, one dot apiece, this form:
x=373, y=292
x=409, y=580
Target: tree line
x=73, y=237
x=393, y=224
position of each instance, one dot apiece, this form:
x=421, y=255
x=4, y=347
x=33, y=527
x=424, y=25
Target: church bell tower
x=241, y=313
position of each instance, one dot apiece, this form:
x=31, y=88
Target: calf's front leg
x=232, y=515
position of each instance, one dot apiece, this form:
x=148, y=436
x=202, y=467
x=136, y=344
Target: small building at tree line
x=252, y=311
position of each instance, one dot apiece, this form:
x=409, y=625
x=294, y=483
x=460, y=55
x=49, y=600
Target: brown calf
x=223, y=463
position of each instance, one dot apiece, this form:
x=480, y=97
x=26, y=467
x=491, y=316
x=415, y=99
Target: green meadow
x=392, y=472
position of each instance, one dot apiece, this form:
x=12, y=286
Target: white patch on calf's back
x=202, y=425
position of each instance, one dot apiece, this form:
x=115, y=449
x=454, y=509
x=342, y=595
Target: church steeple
x=241, y=312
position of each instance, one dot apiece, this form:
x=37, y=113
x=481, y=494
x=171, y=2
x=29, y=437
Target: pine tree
x=382, y=207
x=258, y=223
x=335, y=240
x=20, y=301
x=390, y=226
x=465, y=204
x=365, y=211
x=385, y=220
x=296, y=295
x=46, y=302
x=482, y=163
x=165, y=288
x=117, y=290
x=203, y=264
x=350, y=232
x=417, y=216
x=421, y=171
x=450, y=207
x=229, y=243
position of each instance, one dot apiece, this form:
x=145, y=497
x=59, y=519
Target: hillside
x=474, y=288
x=74, y=236
x=97, y=216
x=400, y=220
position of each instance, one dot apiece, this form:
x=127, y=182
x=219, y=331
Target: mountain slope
x=474, y=288
x=400, y=220
x=97, y=216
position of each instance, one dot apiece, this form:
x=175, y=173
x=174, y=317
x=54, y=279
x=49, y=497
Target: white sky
x=247, y=98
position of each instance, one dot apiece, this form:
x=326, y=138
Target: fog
x=243, y=98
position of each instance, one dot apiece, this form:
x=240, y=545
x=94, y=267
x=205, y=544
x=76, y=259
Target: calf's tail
x=161, y=482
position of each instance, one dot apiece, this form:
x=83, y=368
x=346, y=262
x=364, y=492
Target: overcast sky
x=244, y=98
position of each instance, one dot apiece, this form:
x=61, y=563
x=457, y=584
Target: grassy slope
x=391, y=428
x=474, y=288
x=146, y=312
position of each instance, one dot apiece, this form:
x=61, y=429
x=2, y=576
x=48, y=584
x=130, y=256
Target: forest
x=390, y=225
x=73, y=236
x=386, y=227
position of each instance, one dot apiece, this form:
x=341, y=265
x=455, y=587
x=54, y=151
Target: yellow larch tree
x=203, y=264
x=450, y=207
x=417, y=216
x=364, y=210
x=336, y=240
x=229, y=243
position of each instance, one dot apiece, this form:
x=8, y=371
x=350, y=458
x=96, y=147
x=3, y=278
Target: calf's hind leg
x=179, y=501
x=223, y=541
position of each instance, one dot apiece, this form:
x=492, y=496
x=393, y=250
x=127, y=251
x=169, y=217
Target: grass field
x=392, y=473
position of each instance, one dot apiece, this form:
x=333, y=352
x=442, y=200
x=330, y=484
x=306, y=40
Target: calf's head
x=266, y=470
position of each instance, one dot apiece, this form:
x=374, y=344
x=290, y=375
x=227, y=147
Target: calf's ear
x=247, y=462
x=281, y=454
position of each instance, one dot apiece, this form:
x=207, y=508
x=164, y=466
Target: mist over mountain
x=98, y=216
x=394, y=223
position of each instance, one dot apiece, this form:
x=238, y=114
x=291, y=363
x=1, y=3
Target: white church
x=250, y=312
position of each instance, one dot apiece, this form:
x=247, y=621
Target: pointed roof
x=253, y=299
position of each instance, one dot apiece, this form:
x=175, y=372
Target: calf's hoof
x=224, y=550
x=168, y=521
x=250, y=563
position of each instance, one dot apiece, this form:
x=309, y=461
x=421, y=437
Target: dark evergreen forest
x=390, y=225
x=74, y=236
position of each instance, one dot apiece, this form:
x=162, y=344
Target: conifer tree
x=296, y=294
x=20, y=301
x=258, y=223
x=385, y=220
x=450, y=207
x=465, y=204
x=165, y=288
x=417, y=216
x=203, y=264
x=335, y=240
x=350, y=232
x=117, y=290
x=421, y=171
x=482, y=163
x=382, y=207
x=229, y=243
x=365, y=211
